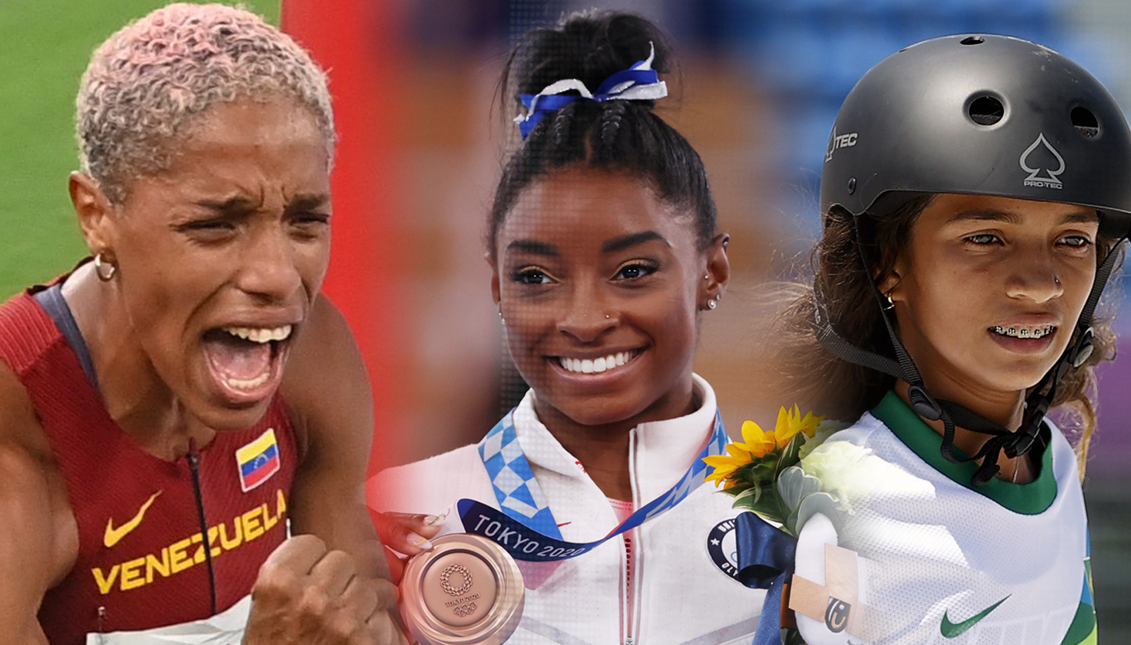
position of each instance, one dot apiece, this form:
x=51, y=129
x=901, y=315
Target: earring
x=707, y=277
x=711, y=304
x=719, y=297
x=891, y=305
x=104, y=268
x=1056, y=279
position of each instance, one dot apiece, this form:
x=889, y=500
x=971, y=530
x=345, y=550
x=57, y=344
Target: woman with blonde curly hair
x=170, y=406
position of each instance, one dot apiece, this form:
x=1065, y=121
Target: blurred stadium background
x=760, y=84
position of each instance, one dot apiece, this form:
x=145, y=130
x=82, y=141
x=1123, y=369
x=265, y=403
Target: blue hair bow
x=639, y=82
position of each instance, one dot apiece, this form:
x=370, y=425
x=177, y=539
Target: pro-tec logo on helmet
x=836, y=142
x=1052, y=177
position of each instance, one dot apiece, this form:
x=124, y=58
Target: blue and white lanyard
x=526, y=527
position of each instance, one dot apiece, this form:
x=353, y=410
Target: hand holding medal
x=466, y=590
x=454, y=589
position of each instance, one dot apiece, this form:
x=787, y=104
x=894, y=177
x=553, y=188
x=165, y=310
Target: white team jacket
x=684, y=593
x=934, y=559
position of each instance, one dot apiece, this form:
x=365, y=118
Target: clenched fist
x=306, y=594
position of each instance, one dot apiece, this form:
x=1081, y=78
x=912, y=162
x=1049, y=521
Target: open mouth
x=1024, y=332
x=246, y=362
x=597, y=365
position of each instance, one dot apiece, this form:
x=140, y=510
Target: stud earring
x=1056, y=279
x=104, y=268
x=707, y=277
x=711, y=304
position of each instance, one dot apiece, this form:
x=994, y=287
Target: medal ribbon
x=526, y=527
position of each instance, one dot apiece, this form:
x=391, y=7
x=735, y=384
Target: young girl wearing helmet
x=974, y=196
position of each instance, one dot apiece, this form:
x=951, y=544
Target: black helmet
x=986, y=115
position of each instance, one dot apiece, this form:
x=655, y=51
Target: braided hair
x=620, y=136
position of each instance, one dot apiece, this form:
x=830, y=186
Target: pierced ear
x=94, y=211
x=496, y=290
x=718, y=268
x=889, y=284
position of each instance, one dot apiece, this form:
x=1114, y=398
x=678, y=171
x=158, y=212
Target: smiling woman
x=605, y=254
x=183, y=396
x=593, y=267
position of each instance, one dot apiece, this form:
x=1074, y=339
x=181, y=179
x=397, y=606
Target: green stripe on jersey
x=1029, y=499
x=1082, y=631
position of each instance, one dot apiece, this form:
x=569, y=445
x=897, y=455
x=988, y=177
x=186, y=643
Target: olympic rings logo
x=465, y=610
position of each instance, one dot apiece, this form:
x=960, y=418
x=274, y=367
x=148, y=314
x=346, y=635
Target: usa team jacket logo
x=258, y=460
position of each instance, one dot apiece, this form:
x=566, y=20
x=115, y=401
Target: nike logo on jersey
x=115, y=535
x=954, y=630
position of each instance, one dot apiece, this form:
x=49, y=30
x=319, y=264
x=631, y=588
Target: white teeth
x=260, y=334
x=591, y=366
x=1025, y=332
x=248, y=384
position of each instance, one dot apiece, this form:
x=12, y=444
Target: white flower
x=851, y=472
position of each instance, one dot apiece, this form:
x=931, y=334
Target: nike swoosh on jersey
x=115, y=535
x=954, y=630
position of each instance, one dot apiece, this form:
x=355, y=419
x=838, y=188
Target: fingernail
x=433, y=520
x=420, y=542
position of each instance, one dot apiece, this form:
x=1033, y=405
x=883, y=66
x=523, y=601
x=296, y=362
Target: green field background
x=44, y=47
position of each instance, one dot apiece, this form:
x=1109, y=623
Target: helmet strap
x=1013, y=443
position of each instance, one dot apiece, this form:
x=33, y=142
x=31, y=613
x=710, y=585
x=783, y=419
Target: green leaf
x=764, y=471
x=793, y=486
x=754, y=492
x=767, y=507
x=790, y=455
x=737, y=489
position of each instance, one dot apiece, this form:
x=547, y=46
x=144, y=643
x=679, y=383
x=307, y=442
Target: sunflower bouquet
x=761, y=471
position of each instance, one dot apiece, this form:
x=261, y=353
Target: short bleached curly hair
x=147, y=82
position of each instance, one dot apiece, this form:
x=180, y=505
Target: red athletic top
x=141, y=562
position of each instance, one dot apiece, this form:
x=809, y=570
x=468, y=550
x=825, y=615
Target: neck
x=1004, y=409
x=135, y=396
x=602, y=449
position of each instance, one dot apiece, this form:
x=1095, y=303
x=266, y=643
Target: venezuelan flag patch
x=258, y=460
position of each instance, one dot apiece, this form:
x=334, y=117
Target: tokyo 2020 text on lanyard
x=526, y=527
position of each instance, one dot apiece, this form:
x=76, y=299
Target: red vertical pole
x=357, y=42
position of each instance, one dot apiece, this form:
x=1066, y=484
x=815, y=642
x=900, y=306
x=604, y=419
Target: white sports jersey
x=931, y=558
x=682, y=561
x=225, y=628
